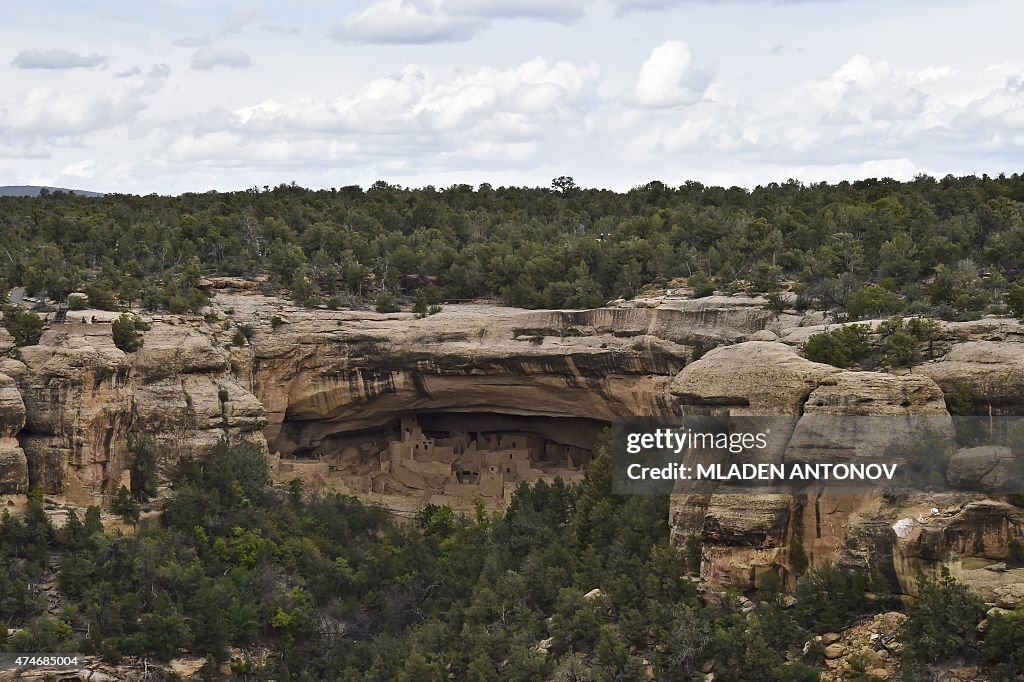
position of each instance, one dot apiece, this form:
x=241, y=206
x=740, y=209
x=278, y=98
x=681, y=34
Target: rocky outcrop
x=988, y=468
x=754, y=378
x=13, y=465
x=989, y=373
x=838, y=416
x=83, y=397
x=322, y=375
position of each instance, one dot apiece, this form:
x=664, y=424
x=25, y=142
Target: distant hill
x=33, y=191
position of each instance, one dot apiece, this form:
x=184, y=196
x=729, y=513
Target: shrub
x=126, y=333
x=798, y=557
x=303, y=288
x=829, y=598
x=873, y=300
x=960, y=399
x=1015, y=550
x=76, y=302
x=145, y=458
x=701, y=285
x=125, y=506
x=425, y=299
x=942, y=622
x=1003, y=647
x=692, y=552
x=24, y=326
x=900, y=349
x=1014, y=299
x=43, y=635
x=101, y=296
x=276, y=322
x=776, y=303
x=386, y=303
x=925, y=330
x=842, y=347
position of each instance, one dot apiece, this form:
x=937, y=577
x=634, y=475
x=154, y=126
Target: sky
x=172, y=96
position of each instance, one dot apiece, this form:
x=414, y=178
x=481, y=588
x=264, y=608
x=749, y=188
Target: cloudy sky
x=170, y=96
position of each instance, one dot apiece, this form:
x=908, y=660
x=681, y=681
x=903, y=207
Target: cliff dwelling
x=446, y=458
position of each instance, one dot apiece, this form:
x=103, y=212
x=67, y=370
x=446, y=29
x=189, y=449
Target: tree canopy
x=949, y=246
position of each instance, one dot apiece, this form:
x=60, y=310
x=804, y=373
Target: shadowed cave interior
x=449, y=456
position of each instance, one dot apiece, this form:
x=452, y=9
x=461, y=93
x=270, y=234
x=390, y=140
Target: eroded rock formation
x=342, y=398
x=83, y=397
x=869, y=416
x=13, y=464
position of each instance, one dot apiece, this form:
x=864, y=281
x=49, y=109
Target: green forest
x=338, y=590
x=951, y=247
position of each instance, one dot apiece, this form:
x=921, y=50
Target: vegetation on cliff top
x=337, y=590
x=951, y=247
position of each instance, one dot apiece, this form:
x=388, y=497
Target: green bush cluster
x=127, y=332
x=26, y=328
x=895, y=342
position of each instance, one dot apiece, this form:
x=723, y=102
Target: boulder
x=764, y=335
x=753, y=378
x=869, y=416
x=834, y=651
x=1010, y=596
x=992, y=371
x=988, y=468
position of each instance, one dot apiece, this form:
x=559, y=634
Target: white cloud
x=508, y=91
x=400, y=21
x=238, y=20
x=669, y=78
x=156, y=71
x=85, y=168
x=56, y=59
x=565, y=11
x=47, y=111
x=416, y=100
x=444, y=21
x=627, y=6
x=191, y=41
x=159, y=71
x=207, y=58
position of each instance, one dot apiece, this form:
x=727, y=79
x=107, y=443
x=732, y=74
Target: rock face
x=988, y=468
x=344, y=372
x=838, y=416
x=991, y=372
x=754, y=378
x=323, y=380
x=13, y=465
x=83, y=397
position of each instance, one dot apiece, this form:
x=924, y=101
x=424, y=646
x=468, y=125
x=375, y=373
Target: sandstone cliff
x=326, y=391
x=746, y=536
x=83, y=397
